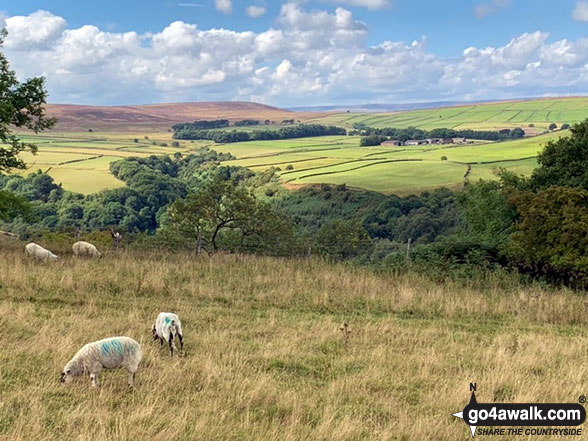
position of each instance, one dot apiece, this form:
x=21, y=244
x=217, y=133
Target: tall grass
x=265, y=357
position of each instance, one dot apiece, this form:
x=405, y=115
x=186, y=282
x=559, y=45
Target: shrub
x=289, y=167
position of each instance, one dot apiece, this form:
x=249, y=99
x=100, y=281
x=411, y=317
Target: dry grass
x=265, y=356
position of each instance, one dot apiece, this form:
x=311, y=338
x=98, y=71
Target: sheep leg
x=131, y=378
x=94, y=372
x=95, y=380
x=181, y=337
x=171, y=344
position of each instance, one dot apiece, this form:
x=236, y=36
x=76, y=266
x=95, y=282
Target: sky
x=298, y=52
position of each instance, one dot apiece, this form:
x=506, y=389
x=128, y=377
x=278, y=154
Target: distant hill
x=402, y=107
x=389, y=107
x=158, y=117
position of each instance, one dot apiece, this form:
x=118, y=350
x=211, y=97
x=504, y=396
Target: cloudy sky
x=299, y=53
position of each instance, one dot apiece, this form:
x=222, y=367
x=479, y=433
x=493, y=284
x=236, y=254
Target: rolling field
x=400, y=170
x=80, y=160
x=491, y=116
x=265, y=358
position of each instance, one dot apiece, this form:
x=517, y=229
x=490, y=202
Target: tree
x=342, y=240
x=21, y=106
x=220, y=205
x=486, y=212
x=551, y=234
x=564, y=161
x=552, y=126
x=12, y=205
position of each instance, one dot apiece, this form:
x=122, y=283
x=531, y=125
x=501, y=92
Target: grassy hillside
x=265, y=358
x=486, y=116
x=399, y=170
x=80, y=161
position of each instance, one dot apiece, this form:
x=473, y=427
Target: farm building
x=391, y=143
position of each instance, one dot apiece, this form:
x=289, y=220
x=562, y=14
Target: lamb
x=82, y=248
x=110, y=353
x=38, y=252
x=166, y=327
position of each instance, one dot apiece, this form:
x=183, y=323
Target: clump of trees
x=538, y=225
x=414, y=133
x=202, y=125
x=185, y=131
x=247, y=122
x=372, y=140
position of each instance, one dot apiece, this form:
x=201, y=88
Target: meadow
x=399, y=170
x=487, y=116
x=80, y=160
x=265, y=357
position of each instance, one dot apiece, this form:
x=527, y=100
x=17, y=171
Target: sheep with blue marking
x=110, y=353
x=166, y=328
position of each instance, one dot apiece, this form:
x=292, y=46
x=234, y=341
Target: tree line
x=188, y=132
x=372, y=134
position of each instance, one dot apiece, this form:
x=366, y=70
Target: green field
x=265, y=358
x=80, y=160
x=399, y=170
x=492, y=116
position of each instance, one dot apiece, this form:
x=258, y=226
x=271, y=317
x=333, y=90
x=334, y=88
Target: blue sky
x=409, y=42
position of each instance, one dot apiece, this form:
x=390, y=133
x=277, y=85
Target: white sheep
x=166, y=327
x=82, y=248
x=38, y=252
x=110, y=353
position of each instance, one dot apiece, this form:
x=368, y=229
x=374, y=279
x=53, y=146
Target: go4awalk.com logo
x=542, y=419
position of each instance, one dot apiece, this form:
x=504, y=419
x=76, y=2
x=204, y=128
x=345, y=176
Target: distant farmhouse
x=429, y=141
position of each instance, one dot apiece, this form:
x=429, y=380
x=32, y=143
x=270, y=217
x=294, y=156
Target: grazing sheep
x=82, y=248
x=38, y=252
x=110, y=353
x=166, y=327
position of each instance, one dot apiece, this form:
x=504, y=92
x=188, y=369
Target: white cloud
x=254, y=11
x=224, y=6
x=581, y=11
x=483, y=10
x=41, y=28
x=310, y=57
x=370, y=4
